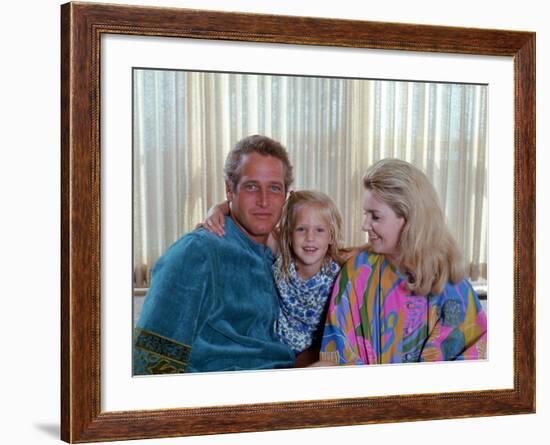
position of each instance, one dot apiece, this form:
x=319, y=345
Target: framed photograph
x=119, y=60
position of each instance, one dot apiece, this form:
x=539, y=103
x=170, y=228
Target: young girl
x=309, y=256
x=308, y=262
x=405, y=298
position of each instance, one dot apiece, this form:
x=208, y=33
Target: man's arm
x=173, y=308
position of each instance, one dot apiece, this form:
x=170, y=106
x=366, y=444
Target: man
x=212, y=304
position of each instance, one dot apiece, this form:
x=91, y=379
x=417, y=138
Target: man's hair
x=328, y=211
x=255, y=144
x=427, y=250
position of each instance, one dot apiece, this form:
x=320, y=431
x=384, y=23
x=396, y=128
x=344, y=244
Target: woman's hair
x=329, y=212
x=428, y=252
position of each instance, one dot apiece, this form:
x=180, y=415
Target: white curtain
x=186, y=122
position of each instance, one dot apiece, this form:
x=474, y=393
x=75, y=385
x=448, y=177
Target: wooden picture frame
x=82, y=25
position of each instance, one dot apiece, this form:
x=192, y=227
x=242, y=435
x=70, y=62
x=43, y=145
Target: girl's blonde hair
x=329, y=212
x=428, y=252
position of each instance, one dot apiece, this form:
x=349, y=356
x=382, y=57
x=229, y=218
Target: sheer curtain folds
x=186, y=122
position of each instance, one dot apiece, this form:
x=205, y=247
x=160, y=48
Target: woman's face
x=382, y=225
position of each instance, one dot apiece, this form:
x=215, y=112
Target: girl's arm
x=215, y=221
x=273, y=241
x=215, y=218
x=347, y=252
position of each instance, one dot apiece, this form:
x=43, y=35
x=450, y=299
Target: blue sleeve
x=173, y=308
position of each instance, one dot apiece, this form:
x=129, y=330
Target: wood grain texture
x=82, y=26
x=524, y=221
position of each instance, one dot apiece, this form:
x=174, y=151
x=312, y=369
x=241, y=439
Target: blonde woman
x=404, y=298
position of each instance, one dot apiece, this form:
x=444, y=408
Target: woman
x=405, y=297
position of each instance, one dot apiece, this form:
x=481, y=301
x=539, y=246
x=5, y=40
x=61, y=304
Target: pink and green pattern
x=373, y=318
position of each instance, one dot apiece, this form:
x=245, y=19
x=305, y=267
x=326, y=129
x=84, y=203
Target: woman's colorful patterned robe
x=373, y=318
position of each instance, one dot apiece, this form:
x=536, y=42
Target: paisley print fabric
x=303, y=303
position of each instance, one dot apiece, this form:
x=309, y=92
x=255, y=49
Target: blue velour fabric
x=212, y=306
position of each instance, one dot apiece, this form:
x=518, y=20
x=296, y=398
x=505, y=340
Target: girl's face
x=310, y=241
x=382, y=225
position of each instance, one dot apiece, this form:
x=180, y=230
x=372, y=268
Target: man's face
x=258, y=199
